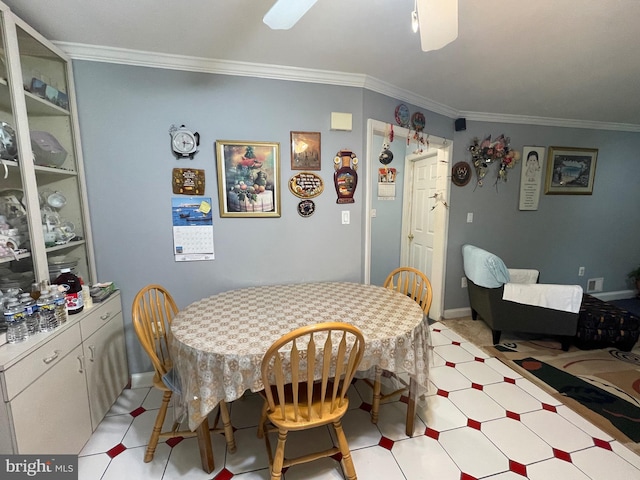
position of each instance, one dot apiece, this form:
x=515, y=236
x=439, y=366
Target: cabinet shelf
x=41, y=170
x=35, y=105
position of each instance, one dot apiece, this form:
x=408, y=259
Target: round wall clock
x=461, y=174
x=184, y=143
x=402, y=115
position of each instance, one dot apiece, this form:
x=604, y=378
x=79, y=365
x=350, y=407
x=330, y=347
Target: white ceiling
x=560, y=59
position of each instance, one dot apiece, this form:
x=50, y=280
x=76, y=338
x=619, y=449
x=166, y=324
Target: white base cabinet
x=57, y=387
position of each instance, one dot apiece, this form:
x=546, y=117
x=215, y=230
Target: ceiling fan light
x=284, y=14
x=414, y=21
x=438, y=23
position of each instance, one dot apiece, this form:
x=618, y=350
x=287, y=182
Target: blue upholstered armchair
x=512, y=300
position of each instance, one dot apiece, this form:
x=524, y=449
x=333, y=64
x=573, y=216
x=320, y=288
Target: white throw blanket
x=557, y=297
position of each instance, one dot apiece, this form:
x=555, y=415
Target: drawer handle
x=105, y=316
x=81, y=369
x=48, y=360
x=92, y=349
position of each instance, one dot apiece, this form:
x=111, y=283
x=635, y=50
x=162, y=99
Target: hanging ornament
x=386, y=155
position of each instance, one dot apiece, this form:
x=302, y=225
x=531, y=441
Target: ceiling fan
x=437, y=20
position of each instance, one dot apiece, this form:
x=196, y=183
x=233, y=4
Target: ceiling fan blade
x=438, y=23
x=284, y=14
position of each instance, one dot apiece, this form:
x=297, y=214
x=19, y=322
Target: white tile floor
x=481, y=420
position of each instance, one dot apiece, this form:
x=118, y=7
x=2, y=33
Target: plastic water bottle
x=60, y=302
x=30, y=313
x=73, y=290
x=16, y=325
x=46, y=313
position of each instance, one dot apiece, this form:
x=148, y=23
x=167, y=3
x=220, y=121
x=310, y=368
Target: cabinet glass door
x=55, y=149
x=16, y=266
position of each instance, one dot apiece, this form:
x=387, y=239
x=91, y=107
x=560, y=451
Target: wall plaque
x=306, y=185
x=188, y=181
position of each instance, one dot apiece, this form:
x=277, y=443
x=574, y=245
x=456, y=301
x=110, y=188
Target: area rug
x=602, y=385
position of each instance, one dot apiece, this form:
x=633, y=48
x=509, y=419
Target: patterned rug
x=602, y=385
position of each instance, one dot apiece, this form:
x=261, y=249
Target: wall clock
x=184, y=142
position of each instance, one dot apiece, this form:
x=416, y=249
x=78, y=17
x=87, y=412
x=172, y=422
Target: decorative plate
x=402, y=115
x=418, y=121
x=306, y=208
x=306, y=185
x=461, y=174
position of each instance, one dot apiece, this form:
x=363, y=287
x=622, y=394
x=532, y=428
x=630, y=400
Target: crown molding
x=96, y=53
x=549, y=122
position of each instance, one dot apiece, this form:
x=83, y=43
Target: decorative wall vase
x=345, y=177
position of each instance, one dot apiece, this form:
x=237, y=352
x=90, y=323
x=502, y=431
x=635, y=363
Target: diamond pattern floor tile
x=480, y=420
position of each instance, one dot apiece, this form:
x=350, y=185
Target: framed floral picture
x=570, y=171
x=305, y=151
x=248, y=178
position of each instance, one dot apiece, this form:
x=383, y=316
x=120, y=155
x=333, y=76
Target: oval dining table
x=218, y=342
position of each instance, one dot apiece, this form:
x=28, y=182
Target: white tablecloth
x=218, y=342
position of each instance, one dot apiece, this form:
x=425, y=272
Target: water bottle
x=61, y=306
x=47, y=319
x=73, y=290
x=16, y=325
x=30, y=313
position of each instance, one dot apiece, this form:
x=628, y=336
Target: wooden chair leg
x=411, y=407
x=157, y=427
x=278, y=458
x=228, y=428
x=375, y=404
x=263, y=419
x=347, y=462
x=204, y=444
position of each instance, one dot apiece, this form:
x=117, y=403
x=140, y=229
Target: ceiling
x=549, y=59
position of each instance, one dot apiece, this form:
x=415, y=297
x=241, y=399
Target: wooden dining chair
x=327, y=352
x=414, y=284
x=152, y=312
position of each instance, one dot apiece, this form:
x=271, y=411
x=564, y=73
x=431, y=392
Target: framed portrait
x=248, y=178
x=305, y=151
x=570, y=171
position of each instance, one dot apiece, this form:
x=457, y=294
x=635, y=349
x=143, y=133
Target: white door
x=425, y=213
x=419, y=239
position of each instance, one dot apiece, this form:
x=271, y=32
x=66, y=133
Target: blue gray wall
x=597, y=231
x=125, y=114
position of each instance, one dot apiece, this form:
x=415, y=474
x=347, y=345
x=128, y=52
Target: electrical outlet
x=581, y=272
x=463, y=283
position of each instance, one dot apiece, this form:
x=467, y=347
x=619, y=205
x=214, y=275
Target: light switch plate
x=346, y=217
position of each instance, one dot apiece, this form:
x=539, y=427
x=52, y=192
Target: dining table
x=218, y=342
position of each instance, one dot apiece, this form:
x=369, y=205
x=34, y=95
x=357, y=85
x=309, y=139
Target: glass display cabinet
x=44, y=221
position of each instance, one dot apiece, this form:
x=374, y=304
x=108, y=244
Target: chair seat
x=321, y=412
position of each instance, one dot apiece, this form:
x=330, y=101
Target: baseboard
x=457, y=313
x=619, y=295
x=141, y=380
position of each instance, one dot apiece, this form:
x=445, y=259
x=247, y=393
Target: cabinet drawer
x=99, y=315
x=27, y=370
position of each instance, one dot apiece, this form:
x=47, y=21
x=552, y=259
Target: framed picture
x=248, y=178
x=570, y=171
x=305, y=151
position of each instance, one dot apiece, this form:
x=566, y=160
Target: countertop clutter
x=44, y=308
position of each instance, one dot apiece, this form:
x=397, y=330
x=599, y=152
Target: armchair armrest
x=523, y=275
x=556, y=297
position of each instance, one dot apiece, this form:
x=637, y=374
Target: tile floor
x=482, y=420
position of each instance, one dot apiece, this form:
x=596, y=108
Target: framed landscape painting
x=248, y=178
x=570, y=171
x=305, y=151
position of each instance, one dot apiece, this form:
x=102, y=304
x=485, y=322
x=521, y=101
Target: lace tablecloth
x=218, y=342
